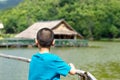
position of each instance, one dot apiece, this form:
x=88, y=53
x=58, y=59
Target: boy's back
x=47, y=66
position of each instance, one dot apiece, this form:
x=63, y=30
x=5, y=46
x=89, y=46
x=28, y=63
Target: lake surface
x=102, y=59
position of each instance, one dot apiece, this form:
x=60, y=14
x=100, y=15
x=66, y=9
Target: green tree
x=94, y=19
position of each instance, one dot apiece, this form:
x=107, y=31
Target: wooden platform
x=16, y=42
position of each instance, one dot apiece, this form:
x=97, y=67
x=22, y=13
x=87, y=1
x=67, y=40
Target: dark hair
x=45, y=37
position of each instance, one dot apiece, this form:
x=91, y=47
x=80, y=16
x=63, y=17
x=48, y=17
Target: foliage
x=93, y=19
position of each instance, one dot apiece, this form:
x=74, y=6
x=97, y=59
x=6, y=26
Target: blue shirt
x=47, y=66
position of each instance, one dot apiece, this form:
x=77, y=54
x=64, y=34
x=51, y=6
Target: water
x=102, y=59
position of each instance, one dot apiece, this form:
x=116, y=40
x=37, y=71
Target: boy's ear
x=36, y=41
x=53, y=42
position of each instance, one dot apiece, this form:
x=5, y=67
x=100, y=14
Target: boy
x=45, y=65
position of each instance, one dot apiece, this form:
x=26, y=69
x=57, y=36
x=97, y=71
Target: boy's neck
x=44, y=50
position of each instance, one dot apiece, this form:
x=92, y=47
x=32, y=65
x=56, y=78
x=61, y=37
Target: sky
x=3, y=1
x=8, y=3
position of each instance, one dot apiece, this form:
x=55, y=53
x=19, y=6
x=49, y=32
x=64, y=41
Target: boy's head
x=45, y=37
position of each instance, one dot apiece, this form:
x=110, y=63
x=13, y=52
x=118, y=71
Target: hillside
x=5, y=4
x=93, y=19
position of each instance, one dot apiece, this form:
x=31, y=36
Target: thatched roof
x=59, y=27
x=1, y=26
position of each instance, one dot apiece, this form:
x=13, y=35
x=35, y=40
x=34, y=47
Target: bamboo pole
x=82, y=74
x=15, y=58
x=85, y=75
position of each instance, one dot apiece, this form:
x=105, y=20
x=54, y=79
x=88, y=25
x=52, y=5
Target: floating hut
x=65, y=35
x=61, y=29
x=1, y=26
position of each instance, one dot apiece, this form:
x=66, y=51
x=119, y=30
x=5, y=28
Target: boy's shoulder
x=50, y=56
x=45, y=54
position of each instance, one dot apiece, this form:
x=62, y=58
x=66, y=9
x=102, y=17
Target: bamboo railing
x=15, y=58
